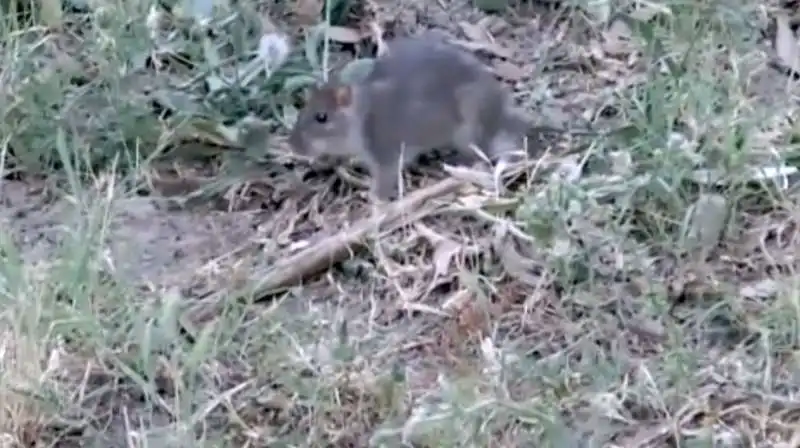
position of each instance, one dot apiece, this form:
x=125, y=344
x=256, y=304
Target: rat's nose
x=296, y=142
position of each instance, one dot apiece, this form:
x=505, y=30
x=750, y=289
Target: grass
x=603, y=310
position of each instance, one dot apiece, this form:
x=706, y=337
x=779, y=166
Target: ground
x=174, y=276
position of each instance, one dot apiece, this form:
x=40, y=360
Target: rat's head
x=327, y=125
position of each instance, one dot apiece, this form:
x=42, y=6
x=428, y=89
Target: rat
x=421, y=94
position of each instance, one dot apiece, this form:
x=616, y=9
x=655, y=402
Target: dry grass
x=628, y=302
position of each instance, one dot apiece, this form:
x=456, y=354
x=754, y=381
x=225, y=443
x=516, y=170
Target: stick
x=336, y=248
x=315, y=259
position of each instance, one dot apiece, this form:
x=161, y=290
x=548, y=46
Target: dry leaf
x=493, y=24
x=496, y=358
x=762, y=289
x=508, y=70
x=489, y=47
x=374, y=29
x=268, y=25
x=273, y=49
x=471, y=320
x=705, y=221
x=457, y=300
x=646, y=11
x=51, y=13
x=474, y=176
x=344, y=35
x=621, y=163
x=474, y=32
x=444, y=249
x=491, y=6
x=307, y=11
x=786, y=43
x=599, y=10
x=422, y=308
x=617, y=39
x=443, y=255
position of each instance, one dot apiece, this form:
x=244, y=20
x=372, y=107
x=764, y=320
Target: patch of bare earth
x=568, y=311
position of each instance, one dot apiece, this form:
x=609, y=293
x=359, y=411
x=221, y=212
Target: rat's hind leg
x=466, y=140
x=474, y=123
x=505, y=145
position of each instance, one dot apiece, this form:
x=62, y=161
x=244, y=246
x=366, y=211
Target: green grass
x=605, y=313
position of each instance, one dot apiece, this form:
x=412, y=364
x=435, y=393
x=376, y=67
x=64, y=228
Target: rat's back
x=422, y=90
x=426, y=93
x=428, y=63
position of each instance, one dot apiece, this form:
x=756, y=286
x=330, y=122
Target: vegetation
x=633, y=288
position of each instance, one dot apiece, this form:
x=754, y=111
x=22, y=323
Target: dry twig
x=315, y=259
x=336, y=248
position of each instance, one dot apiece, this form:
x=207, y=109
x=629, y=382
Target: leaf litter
x=552, y=300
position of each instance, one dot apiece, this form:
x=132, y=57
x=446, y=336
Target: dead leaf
x=274, y=49
x=617, y=39
x=268, y=25
x=471, y=175
x=517, y=265
x=458, y=300
x=648, y=329
x=762, y=289
x=169, y=185
x=621, y=163
x=212, y=133
x=508, y=70
x=491, y=6
x=374, y=29
x=475, y=32
x=786, y=43
x=344, y=35
x=471, y=320
x=600, y=10
x=422, y=308
x=493, y=24
x=489, y=47
x=443, y=255
x=444, y=249
x=51, y=13
x=307, y=11
x=645, y=12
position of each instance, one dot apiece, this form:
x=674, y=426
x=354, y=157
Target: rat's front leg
x=384, y=159
x=385, y=182
x=384, y=172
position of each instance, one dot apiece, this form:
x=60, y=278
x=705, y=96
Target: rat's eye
x=321, y=117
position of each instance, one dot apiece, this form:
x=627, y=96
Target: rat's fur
x=420, y=95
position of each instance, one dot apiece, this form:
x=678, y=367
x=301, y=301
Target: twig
x=336, y=248
x=319, y=257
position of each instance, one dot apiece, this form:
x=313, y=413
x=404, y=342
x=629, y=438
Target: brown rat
x=420, y=95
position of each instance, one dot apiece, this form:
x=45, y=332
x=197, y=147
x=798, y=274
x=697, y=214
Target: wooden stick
x=336, y=248
x=319, y=257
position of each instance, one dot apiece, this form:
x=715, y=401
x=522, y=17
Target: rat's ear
x=343, y=95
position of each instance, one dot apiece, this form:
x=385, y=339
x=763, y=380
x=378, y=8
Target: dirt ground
x=570, y=311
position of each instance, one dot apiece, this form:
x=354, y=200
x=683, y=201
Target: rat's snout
x=297, y=142
x=306, y=145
